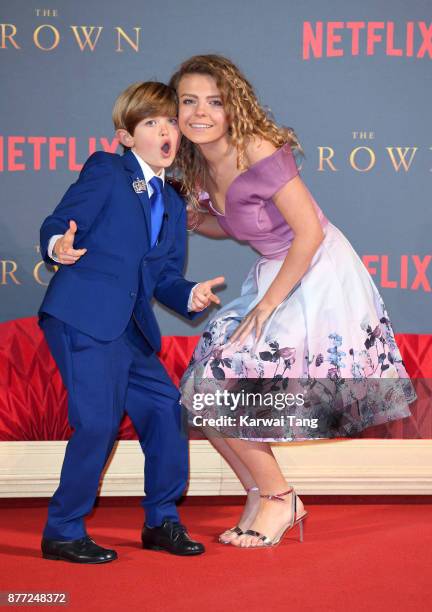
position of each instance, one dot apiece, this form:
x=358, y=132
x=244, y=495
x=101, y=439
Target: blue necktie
x=157, y=208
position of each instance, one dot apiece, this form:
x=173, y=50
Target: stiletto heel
x=301, y=530
x=236, y=530
x=267, y=542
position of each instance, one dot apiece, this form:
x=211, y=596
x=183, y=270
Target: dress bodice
x=250, y=212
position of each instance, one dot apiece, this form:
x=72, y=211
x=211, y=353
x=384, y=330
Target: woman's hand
x=194, y=218
x=204, y=223
x=253, y=322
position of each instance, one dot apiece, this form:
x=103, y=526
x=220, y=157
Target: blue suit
x=98, y=320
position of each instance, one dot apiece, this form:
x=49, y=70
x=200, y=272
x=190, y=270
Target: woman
x=308, y=307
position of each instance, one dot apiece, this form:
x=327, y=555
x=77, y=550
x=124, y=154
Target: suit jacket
x=120, y=273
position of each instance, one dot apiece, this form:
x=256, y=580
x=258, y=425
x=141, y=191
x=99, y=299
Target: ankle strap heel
x=279, y=496
x=293, y=521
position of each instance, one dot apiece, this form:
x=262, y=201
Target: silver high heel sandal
x=236, y=530
x=294, y=521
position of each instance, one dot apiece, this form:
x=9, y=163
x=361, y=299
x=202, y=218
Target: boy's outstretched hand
x=63, y=248
x=203, y=294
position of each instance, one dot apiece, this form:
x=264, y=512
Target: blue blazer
x=120, y=273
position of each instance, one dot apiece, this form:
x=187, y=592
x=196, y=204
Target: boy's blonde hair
x=141, y=100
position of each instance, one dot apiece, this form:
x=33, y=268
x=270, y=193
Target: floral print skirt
x=331, y=338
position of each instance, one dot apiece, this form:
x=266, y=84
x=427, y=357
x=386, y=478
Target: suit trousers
x=104, y=379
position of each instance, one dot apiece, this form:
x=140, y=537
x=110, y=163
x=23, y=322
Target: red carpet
x=363, y=554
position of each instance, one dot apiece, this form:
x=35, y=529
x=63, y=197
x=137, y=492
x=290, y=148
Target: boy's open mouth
x=166, y=148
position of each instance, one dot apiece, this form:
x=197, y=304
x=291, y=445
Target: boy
x=119, y=235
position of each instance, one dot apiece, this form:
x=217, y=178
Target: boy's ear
x=125, y=138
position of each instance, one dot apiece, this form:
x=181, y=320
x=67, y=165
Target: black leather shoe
x=84, y=550
x=171, y=537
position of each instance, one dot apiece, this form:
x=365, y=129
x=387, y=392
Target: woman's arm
x=205, y=224
x=298, y=210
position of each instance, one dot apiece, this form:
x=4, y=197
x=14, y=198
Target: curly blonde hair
x=245, y=115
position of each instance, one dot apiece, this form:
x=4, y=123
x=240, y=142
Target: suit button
x=132, y=294
x=144, y=263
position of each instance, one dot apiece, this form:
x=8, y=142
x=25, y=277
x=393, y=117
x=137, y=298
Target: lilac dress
x=331, y=334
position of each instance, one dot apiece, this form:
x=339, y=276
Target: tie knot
x=157, y=184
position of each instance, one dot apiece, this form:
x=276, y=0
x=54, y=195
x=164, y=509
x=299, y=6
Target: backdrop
x=354, y=80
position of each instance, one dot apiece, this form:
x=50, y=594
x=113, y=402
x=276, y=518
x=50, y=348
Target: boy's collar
x=147, y=171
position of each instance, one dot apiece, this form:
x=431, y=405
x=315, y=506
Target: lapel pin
x=139, y=185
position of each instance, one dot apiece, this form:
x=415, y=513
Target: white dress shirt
x=148, y=175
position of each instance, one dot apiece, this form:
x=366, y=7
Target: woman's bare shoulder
x=257, y=148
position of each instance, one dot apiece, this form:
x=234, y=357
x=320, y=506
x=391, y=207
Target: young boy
x=119, y=237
